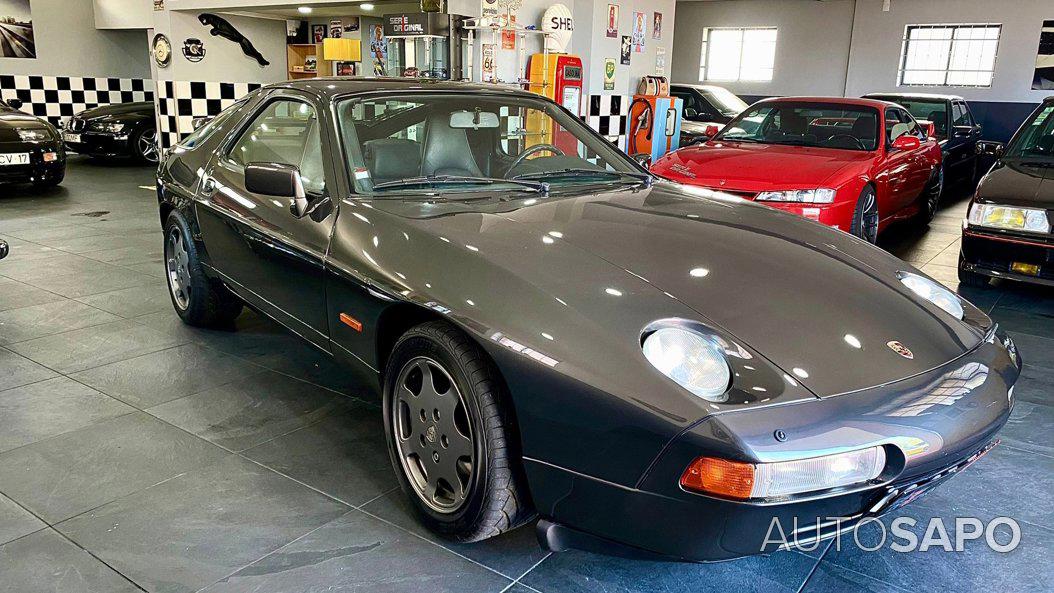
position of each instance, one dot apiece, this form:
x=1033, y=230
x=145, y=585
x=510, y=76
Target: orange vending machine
x=559, y=77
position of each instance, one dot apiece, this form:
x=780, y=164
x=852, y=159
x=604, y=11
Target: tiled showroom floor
x=137, y=453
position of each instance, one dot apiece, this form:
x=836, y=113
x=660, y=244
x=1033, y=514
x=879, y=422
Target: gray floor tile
x=163, y=376
x=16, y=521
x=1016, y=320
x=18, y=370
x=343, y=455
x=55, y=265
x=187, y=532
x=1036, y=384
x=132, y=302
x=1034, y=350
x=45, y=562
x=80, y=470
x=54, y=235
x=14, y=294
x=831, y=578
x=104, y=278
x=40, y=410
x=94, y=346
x=1031, y=427
x=250, y=411
x=511, y=554
x=359, y=553
x=26, y=323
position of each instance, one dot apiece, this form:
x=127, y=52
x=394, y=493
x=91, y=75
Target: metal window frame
x=705, y=52
x=905, y=42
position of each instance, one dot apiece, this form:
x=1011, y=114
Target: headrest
x=864, y=127
x=392, y=158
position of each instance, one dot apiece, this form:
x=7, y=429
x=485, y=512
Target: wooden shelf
x=297, y=55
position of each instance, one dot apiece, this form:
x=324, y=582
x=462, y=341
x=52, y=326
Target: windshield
x=726, y=101
x=472, y=142
x=806, y=124
x=1036, y=138
x=934, y=111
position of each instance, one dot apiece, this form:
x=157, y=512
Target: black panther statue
x=222, y=28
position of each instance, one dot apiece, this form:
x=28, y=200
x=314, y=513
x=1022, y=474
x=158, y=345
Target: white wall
x=224, y=60
x=123, y=14
x=641, y=64
x=878, y=37
x=812, y=42
x=68, y=44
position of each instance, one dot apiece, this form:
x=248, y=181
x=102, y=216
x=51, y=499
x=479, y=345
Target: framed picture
x=345, y=68
x=627, y=49
x=609, y=74
x=656, y=25
x=318, y=33
x=638, y=32
x=1043, y=80
x=336, y=29
x=612, y=21
x=351, y=24
x=17, y=26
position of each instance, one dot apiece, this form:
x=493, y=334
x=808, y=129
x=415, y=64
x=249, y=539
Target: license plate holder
x=71, y=137
x=14, y=158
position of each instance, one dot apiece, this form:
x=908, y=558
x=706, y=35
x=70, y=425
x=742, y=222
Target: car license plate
x=70, y=137
x=14, y=158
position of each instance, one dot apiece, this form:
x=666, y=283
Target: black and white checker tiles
x=57, y=98
x=180, y=101
x=609, y=114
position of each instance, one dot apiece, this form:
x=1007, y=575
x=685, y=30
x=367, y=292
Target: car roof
x=1049, y=99
x=701, y=87
x=830, y=100
x=332, y=86
x=917, y=96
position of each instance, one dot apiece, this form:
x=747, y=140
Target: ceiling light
x=366, y=6
x=304, y=9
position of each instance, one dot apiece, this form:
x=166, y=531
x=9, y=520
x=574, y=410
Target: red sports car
x=854, y=164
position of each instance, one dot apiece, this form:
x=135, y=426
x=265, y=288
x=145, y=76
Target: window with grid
x=949, y=55
x=738, y=53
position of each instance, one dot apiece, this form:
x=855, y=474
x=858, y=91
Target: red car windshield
x=846, y=127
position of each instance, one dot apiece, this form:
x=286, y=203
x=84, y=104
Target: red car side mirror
x=710, y=130
x=906, y=142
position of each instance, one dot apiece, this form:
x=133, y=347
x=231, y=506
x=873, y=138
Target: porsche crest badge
x=900, y=349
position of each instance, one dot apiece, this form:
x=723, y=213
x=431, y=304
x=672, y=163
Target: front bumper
x=992, y=253
x=100, y=144
x=37, y=170
x=940, y=421
x=836, y=214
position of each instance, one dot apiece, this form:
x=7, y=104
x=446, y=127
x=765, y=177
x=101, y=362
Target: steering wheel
x=533, y=149
x=855, y=140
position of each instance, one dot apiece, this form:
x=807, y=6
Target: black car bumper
x=938, y=423
x=100, y=144
x=38, y=170
x=994, y=253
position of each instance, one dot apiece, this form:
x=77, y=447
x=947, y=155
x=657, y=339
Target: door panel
x=254, y=240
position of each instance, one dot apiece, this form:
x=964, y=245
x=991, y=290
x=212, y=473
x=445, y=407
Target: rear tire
x=930, y=199
x=865, y=216
x=485, y=493
x=198, y=300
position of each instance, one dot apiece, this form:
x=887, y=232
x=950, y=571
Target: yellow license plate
x=1005, y=217
x=1023, y=268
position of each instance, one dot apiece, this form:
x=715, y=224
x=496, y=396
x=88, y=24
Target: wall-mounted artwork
x=660, y=61
x=336, y=29
x=638, y=32
x=222, y=28
x=612, y=21
x=318, y=33
x=16, y=30
x=609, y=74
x=351, y=24
x=1044, y=78
x=656, y=25
x=627, y=49
x=378, y=50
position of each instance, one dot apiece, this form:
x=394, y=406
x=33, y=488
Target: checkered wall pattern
x=609, y=115
x=180, y=101
x=57, y=98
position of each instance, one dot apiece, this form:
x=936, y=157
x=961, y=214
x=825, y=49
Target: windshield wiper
x=434, y=180
x=583, y=173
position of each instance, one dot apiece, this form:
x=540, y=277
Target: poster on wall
x=488, y=11
x=345, y=68
x=159, y=5
x=318, y=33
x=351, y=24
x=489, y=67
x=378, y=50
x=336, y=29
x=16, y=30
x=1044, y=78
x=660, y=61
x=656, y=25
x=627, y=49
x=508, y=36
x=638, y=32
x=613, y=21
x=609, y=74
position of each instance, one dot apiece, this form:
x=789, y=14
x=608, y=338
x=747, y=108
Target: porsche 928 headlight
x=933, y=292
x=692, y=360
x=108, y=127
x=1030, y=220
x=34, y=135
x=821, y=195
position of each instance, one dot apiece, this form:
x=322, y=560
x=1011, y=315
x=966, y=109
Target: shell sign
x=558, y=23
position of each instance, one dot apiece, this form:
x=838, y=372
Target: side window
x=961, y=115
x=690, y=102
x=286, y=131
x=913, y=128
x=892, y=119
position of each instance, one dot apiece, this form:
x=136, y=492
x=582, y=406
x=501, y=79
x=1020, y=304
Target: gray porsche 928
x=647, y=368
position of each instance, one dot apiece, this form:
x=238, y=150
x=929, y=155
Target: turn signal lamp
x=742, y=481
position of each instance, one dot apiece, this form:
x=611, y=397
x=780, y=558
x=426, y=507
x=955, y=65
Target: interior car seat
x=864, y=129
x=389, y=159
x=447, y=150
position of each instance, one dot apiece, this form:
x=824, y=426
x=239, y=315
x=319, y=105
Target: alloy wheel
x=433, y=435
x=148, y=145
x=933, y=197
x=176, y=262
x=869, y=218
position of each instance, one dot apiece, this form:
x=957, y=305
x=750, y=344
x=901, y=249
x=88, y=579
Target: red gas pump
x=559, y=77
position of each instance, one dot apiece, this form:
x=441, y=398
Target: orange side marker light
x=351, y=322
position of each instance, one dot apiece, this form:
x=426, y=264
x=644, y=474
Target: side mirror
x=4, y=249
x=711, y=130
x=988, y=147
x=906, y=142
x=963, y=131
x=643, y=159
x=14, y=103
x=276, y=179
x=198, y=122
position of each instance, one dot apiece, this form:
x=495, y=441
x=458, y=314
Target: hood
x=814, y=301
x=16, y=120
x=118, y=110
x=1019, y=183
x=749, y=167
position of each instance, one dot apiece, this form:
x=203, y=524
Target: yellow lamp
x=341, y=50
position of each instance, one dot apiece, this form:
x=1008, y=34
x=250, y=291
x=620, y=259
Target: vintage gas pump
x=654, y=119
x=557, y=75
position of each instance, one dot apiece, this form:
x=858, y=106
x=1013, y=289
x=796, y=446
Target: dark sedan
x=118, y=130
x=30, y=148
x=1008, y=229
x=705, y=106
x=647, y=367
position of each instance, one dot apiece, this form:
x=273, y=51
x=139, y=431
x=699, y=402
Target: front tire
x=197, y=300
x=865, y=216
x=144, y=146
x=451, y=436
